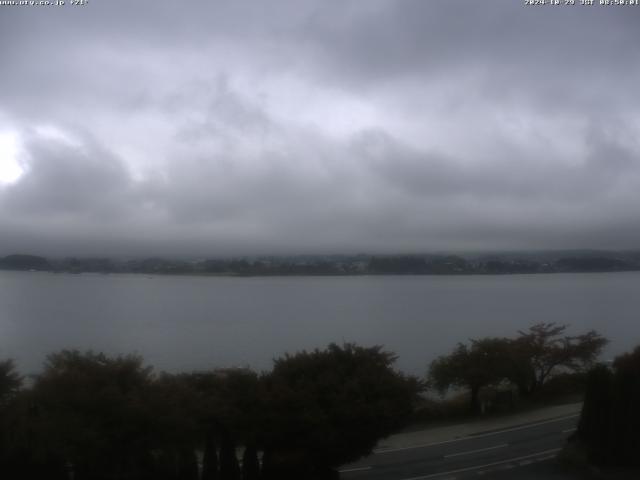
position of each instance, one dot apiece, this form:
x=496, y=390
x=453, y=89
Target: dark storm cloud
x=226, y=127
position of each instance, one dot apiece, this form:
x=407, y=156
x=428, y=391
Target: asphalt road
x=522, y=452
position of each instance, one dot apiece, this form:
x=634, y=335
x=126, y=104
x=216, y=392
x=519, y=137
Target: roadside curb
x=418, y=438
x=523, y=425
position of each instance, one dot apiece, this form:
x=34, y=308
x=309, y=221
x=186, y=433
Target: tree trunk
x=250, y=464
x=188, y=464
x=210, y=459
x=533, y=388
x=229, y=468
x=523, y=391
x=267, y=466
x=475, y=400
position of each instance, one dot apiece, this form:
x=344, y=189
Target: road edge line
x=472, y=436
x=493, y=464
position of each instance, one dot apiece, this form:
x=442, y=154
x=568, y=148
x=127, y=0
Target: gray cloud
x=63, y=179
x=241, y=127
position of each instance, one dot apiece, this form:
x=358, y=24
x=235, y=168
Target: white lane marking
x=469, y=452
x=542, y=459
x=486, y=465
x=355, y=469
x=470, y=437
x=569, y=430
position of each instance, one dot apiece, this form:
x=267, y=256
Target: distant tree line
x=526, y=362
x=333, y=265
x=90, y=416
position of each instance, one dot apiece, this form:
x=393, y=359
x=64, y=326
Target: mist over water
x=190, y=323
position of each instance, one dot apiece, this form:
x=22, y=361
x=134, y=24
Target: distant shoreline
x=340, y=265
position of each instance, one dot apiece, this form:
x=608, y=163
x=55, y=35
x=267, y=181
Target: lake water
x=187, y=323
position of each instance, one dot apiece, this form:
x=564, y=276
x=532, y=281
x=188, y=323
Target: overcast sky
x=232, y=127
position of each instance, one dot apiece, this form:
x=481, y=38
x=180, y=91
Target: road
x=521, y=452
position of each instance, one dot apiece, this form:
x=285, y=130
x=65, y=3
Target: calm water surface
x=186, y=323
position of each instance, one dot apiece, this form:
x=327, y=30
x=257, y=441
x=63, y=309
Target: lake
x=189, y=323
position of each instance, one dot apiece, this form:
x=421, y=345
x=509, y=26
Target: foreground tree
x=173, y=406
x=545, y=349
x=89, y=411
x=482, y=363
x=527, y=361
x=625, y=420
x=94, y=417
x=610, y=418
x=10, y=381
x=329, y=407
x=228, y=413
x=595, y=419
